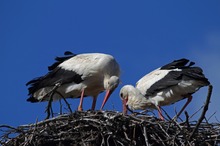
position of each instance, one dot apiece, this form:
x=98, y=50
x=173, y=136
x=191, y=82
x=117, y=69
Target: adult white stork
x=77, y=76
x=163, y=86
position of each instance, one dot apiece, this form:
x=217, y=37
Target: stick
x=49, y=106
x=68, y=105
x=145, y=134
x=203, y=112
x=187, y=119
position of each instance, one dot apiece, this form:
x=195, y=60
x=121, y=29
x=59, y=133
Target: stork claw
x=80, y=109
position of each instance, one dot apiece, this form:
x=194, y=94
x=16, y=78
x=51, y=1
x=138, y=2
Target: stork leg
x=189, y=99
x=94, y=103
x=81, y=101
x=160, y=112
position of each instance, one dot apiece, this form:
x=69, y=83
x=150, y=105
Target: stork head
x=132, y=98
x=110, y=85
x=124, y=95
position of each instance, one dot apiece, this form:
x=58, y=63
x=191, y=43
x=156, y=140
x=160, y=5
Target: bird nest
x=112, y=128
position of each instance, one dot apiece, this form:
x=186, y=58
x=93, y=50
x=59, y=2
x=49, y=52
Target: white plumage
x=164, y=86
x=77, y=76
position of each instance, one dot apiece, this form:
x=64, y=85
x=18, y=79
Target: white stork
x=77, y=76
x=164, y=86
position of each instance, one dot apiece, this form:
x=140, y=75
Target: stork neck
x=106, y=81
x=111, y=82
x=137, y=100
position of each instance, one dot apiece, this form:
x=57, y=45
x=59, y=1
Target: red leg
x=160, y=113
x=94, y=103
x=188, y=101
x=81, y=101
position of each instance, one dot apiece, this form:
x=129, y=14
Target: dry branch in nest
x=110, y=128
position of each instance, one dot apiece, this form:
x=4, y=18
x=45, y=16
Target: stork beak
x=125, y=110
x=107, y=95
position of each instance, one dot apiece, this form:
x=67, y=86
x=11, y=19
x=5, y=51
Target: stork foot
x=81, y=101
x=80, y=109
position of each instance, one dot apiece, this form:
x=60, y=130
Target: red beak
x=107, y=95
x=125, y=110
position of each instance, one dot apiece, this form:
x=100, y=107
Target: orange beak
x=125, y=110
x=107, y=95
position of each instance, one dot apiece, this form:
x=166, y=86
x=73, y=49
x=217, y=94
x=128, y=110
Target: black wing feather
x=58, y=75
x=181, y=63
x=175, y=77
x=55, y=75
x=59, y=60
x=171, y=79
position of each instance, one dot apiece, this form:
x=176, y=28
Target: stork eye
x=121, y=94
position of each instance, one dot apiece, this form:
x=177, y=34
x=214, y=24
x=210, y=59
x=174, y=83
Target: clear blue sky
x=142, y=35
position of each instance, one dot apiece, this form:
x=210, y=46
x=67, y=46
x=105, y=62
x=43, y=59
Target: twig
x=211, y=116
x=187, y=119
x=10, y=127
x=68, y=105
x=196, y=112
x=203, y=112
x=145, y=134
x=110, y=128
x=166, y=114
x=60, y=106
x=49, y=106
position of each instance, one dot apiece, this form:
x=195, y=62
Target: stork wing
x=174, y=77
x=58, y=75
x=171, y=79
x=170, y=75
x=181, y=63
x=60, y=60
x=55, y=75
